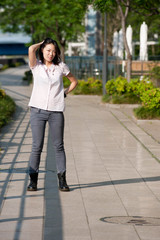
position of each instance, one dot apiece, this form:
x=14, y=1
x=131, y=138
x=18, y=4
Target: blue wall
x=13, y=49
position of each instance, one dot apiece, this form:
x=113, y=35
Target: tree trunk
x=62, y=53
x=129, y=67
x=114, y=20
x=63, y=43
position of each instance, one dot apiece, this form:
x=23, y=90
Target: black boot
x=62, y=182
x=33, y=182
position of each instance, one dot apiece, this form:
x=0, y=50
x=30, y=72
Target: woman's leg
x=38, y=123
x=56, y=124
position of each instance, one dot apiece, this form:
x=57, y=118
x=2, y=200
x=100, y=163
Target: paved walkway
x=112, y=170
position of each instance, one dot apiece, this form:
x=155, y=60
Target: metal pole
x=105, y=56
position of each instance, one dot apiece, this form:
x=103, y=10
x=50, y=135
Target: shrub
x=155, y=73
x=66, y=82
x=116, y=86
x=145, y=113
x=133, y=86
x=110, y=87
x=96, y=87
x=106, y=98
x=136, y=91
x=28, y=76
x=151, y=98
x=2, y=93
x=83, y=87
x=5, y=66
x=90, y=86
x=7, y=108
x=121, y=85
x=144, y=85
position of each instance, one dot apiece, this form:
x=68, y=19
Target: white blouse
x=48, y=92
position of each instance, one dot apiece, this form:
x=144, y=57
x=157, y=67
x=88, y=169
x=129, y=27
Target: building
x=13, y=44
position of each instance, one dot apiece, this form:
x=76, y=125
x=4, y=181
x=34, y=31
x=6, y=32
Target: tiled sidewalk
x=112, y=170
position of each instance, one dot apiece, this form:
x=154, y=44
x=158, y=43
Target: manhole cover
x=134, y=220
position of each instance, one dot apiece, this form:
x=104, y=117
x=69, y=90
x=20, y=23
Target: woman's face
x=49, y=52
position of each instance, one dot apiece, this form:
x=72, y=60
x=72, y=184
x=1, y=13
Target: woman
x=47, y=104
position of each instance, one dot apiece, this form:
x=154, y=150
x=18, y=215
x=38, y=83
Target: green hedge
x=91, y=86
x=136, y=91
x=28, y=77
x=7, y=108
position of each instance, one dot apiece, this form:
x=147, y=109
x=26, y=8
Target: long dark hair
x=57, y=58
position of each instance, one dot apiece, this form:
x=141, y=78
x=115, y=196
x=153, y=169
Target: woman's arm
x=73, y=84
x=32, y=53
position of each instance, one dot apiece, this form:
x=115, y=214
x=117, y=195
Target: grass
x=7, y=108
x=121, y=99
x=145, y=113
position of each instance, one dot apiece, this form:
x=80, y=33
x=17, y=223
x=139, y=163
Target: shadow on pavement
x=53, y=228
x=115, y=182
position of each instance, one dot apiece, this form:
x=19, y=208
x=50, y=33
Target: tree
x=144, y=7
x=61, y=20
x=114, y=20
x=153, y=23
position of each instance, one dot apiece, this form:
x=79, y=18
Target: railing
x=84, y=67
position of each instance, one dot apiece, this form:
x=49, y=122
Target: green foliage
x=117, y=86
x=7, y=108
x=144, y=85
x=91, y=86
x=16, y=64
x=132, y=86
x=132, y=92
x=5, y=66
x=121, y=85
x=62, y=20
x=151, y=98
x=2, y=93
x=28, y=76
x=66, y=82
x=137, y=87
x=121, y=99
x=110, y=87
x=136, y=91
x=106, y=98
x=82, y=88
x=155, y=73
x=145, y=113
x=126, y=98
x=151, y=7
x=96, y=86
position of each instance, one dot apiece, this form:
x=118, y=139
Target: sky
x=14, y=38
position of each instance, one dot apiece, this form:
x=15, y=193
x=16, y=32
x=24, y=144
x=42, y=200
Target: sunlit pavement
x=112, y=170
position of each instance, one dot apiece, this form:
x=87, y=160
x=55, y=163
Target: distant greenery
x=155, y=75
x=16, y=64
x=121, y=99
x=91, y=86
x=7, y=108
x=66, y=82
x=60, y=20
x=28, y=76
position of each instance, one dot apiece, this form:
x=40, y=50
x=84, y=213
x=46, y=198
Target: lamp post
x=105, y=56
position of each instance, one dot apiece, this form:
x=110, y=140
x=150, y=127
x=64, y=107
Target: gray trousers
x=38, y=120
